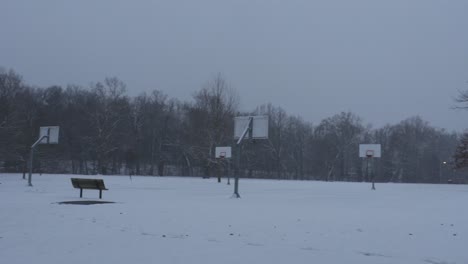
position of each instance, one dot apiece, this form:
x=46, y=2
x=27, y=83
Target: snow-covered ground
x=193, y=220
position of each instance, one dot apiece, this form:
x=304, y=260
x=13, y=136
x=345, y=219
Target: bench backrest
x=80, y=183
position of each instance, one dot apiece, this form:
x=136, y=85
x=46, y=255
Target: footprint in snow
x=310, y=249
x=437, y=261
x=370, y=254
x=147, y=234
x=255, y=244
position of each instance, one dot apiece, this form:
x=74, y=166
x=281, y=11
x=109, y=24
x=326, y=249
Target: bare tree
x=461, y=152
x=461, y=156
x=10, y=90
x=110, y=108
x=152, y=134
x=211, y=117
x=342, y=133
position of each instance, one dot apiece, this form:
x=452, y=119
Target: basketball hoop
x=222, y=155
x=369, y=153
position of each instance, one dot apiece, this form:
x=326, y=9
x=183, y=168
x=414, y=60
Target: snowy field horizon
x=195, y=220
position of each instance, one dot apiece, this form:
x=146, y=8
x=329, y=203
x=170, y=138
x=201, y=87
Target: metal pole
x=31, y=155
x=440, y=170
x=373, y=176
x=236, y=180
x=367, y=169
x=248, y=129
x=229, y=172
x=220, y=171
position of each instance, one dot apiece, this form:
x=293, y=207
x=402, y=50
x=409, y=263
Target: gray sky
x=383, y=60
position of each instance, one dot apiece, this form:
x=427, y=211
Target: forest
x=105, y=131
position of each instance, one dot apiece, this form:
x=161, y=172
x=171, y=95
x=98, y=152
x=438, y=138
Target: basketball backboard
x=259, y=126
x=52, y=133
x=370, y=151
x=223, y=152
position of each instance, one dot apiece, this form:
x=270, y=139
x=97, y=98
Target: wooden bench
x=93, y=184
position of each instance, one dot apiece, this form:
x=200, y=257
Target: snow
x=194, y=220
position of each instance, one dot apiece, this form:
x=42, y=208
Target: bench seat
x=93, y=184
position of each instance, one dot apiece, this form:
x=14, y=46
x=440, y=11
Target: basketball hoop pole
x=236, y=179
x=247, y=129
x=219, y=164
x=367, y=168
x=367, y=172
x=228, y=172
x=370, y=152
x=373, y=176
x=31, y=155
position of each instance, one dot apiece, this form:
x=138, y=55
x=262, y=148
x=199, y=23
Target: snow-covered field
x=193, y=220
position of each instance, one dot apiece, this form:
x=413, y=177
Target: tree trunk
x=161, y=168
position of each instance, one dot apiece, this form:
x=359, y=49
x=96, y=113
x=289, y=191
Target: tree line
x=103, y=130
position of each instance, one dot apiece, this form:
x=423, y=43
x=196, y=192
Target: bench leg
x=100, y=194
x=81, y=193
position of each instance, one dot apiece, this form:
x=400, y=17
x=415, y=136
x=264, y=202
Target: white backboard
x=223, y=152
x=52, y=132
x=259, y=126
x=365, y=149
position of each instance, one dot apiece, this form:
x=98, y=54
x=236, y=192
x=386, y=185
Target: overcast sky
x=383, y=60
